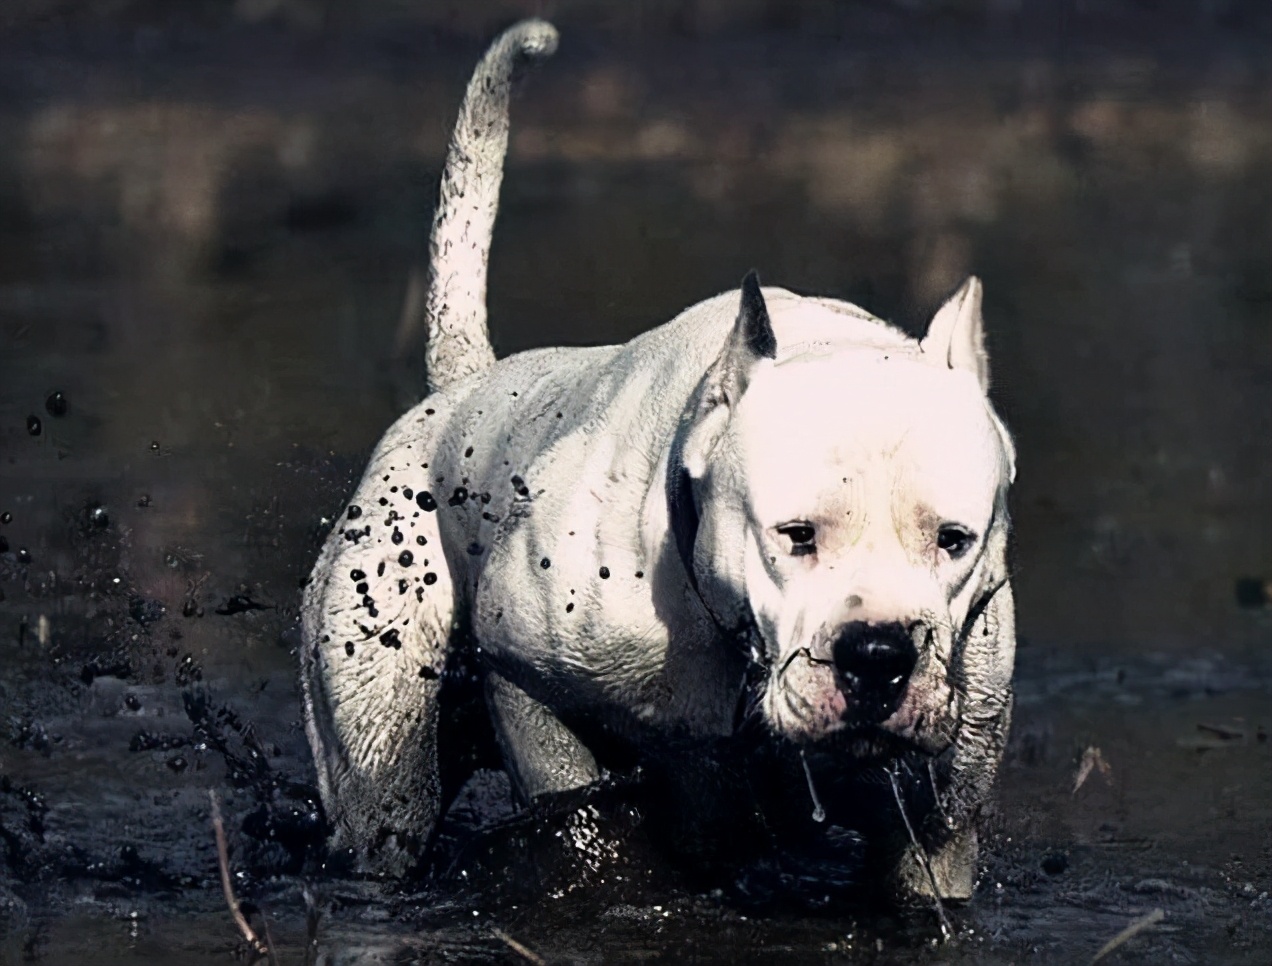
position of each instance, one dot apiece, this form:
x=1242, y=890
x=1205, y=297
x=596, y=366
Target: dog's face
x=851, y=505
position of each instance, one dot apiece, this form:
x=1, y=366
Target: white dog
x=769, y=486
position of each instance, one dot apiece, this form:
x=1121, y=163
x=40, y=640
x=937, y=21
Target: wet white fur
x=873, y=437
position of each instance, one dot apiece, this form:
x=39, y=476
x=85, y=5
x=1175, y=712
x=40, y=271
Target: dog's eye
x=801, y=536
x=955, y=540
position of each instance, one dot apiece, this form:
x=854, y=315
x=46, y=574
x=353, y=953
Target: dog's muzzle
x=874, y=662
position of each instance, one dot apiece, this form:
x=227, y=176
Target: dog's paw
x=947, y=873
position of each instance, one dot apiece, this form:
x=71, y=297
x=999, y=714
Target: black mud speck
x=356, y=574
x=486, y=515
x=430, y=578
x=1252, y=592
x=362, y=587
x=569, y=607
x=428, y=674
x=485, y=498
x=4, y=544
x=391, y=638
x=132, y=702
x=144, y=610
x=475, y=549
x=56, y=404
x=640, y=574
x=559, y=415
x=240, y=603
x=421, y=540
x=352, y=535
x=349, y=648
x=384, y=501
x=34, y=426
x=459, y=497
x=408, y=492
x=425, y=501
x=419, y=593
x=545, y=563
x=354, y=511
x=1054, y=863
x=402, y=585
x=429, y=412
x=397, y=536
x=406, y=558
x=468, y=452
x=518, y=482
x=379, y=570
x=605, y=573
x=143, y=501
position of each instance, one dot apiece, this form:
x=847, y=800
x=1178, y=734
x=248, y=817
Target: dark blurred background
x=209, y=211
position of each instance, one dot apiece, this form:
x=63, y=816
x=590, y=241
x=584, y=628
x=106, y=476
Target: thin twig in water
x=525, y=952
x=312, y=915
x=223, y=857
x=1129, y=933
x=269, y=939
x=947, y=931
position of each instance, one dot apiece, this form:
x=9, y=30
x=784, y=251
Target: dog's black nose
x=875, y=661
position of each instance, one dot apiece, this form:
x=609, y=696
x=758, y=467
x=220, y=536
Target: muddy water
x=206, y=253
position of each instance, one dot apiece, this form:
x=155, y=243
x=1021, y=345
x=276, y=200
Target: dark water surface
x=204, y=245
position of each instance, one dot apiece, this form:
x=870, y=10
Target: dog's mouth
x=869, y=744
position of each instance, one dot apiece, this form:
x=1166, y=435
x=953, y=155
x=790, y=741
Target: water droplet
x=33, y=425
x=430, y=578
x=354, y=511
x=426, y=502
x=357, y=575
x=56, y=404
x=545, y=563
x=406, y=558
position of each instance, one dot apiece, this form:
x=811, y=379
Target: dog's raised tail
x=459, y=249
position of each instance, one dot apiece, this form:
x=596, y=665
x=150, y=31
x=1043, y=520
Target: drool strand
x=819, y=813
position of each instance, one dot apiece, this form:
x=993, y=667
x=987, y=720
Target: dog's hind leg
x=541, y=754
x=376, y=619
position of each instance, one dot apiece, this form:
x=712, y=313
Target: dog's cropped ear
x=750, y=342
x=956, y=337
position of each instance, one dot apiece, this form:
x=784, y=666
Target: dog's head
x=849, y=503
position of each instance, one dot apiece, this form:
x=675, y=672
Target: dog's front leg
x=541, y=754
x=949, y=869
